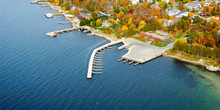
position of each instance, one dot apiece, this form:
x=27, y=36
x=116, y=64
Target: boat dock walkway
x=54, y=34
x=93, y=62
x=37, y=1
x=50, y=15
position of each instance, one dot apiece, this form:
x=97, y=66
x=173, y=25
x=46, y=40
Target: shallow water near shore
x=41, y=72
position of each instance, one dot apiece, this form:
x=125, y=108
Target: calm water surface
x=41, y=72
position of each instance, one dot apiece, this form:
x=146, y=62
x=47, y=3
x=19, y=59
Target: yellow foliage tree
x=133, y=26
x=57, y=1
x=91, y=23
x=160, y=21
x=202, y=3
x=171, y=1
x=115, y=21
x=98, y=22
x=120, y=15
x=119, y=30
x=110, y=20
x=181, y=40
x=146, y=4
x=175, y=29
x=64, y=8
x=90, y=16
x=141, y=25
x=130, y=20
x=190, y=14
x=172, y=18
x=124, y=28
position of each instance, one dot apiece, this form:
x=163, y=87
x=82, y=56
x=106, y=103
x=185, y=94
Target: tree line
x=196, y=49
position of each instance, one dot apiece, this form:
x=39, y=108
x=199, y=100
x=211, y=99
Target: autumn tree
x=98, y=22
x=141, y=24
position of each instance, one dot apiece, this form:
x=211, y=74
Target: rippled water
x=41, y=72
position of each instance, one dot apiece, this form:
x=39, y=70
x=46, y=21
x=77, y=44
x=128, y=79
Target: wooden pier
x=54, y=34
x=38, y=1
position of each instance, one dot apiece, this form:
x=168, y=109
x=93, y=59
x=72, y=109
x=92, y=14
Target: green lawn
x=159, y=44
x=138, y=38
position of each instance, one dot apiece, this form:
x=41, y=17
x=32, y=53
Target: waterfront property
x=138, y=52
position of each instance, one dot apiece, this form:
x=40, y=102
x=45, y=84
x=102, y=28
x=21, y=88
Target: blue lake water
x=41, y=72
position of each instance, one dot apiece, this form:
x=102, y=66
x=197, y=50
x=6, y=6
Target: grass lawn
x=158, y=44
x=169, y=39
x=138, y=38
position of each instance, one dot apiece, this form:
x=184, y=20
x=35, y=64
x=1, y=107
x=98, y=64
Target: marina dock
x=93, y=57
x=38, y=1
x=54, y=34
x=138, y=53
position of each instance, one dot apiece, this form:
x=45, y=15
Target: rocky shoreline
x=199, y=63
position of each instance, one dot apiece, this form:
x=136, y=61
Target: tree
x=57, y=1
x=131, y=11
x=119, y=30
x=170, y=1
x=141, y=25
x=190, y=14
x=147, y=27
x=124, y=28
x=164, y=5
x=133, y=26
x=116, y=9
x=98, y=22
x=130, y=20
x=175, y=29
x=180, y=44
x=120, y=15
x=131, y=31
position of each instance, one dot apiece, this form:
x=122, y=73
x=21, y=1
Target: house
x=104, y=13
x=106, y=23
x=134, y=2
x=149, y=1
x=75, y=7
x=85, y=15
x=173, y=12
x=167, y=1
x=206, y=4
x=217, y=17
x=192, y=5
x=181, y=14
x=217, y=2
x=167, y=23
x=155, y=6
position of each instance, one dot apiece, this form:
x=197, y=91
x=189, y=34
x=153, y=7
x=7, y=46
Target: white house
x=104, y=13
x=155, y=6
x=106, y=23
x=173, y=12
x=181, y=14
x=167, y=23
x=206, y=4
x=192, y=5
x=134, y=2
x=75, y=7
x=167, y=1
x=217, y=2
